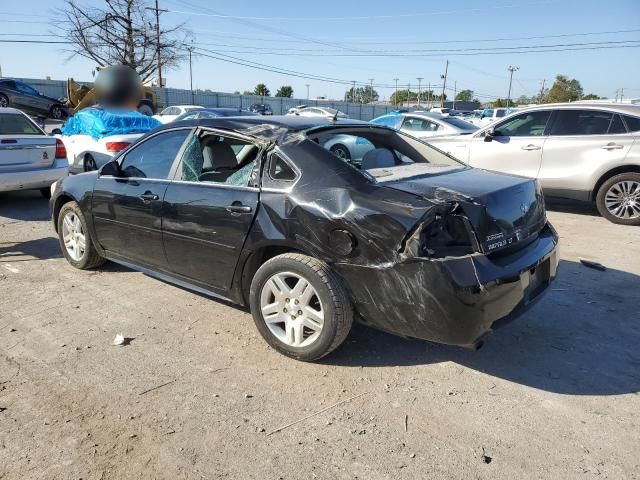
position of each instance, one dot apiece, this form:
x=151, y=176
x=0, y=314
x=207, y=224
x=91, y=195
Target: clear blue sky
x=322, y=33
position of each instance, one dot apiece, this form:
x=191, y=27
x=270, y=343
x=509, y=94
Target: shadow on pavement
x=29, y=205
x=581, y=339
x=571, y=206
x=41, y=248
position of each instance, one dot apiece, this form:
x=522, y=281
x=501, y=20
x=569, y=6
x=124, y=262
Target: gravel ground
x=198, y=394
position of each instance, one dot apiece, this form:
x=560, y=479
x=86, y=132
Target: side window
x=616, y=125
x=10, y=84
x=633, y=123
x=26, y=89
x=530, y=124
x=217, y=159
x=419, y=125
x=581, y=122
x=280, y=170
x=154, y=157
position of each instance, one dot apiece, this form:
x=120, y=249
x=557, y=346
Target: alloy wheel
x=622, y=200
x=73, y=236
x=291, y=309
x=4, y=102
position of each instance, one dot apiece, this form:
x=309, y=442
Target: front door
x=127, y=210
x=209, y=208
x=515, y=147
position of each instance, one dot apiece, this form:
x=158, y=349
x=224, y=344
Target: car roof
x=14, y=111
x=291, y=123
x=617, y=107
x=428, y=115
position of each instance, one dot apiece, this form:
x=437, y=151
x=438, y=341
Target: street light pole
x=371, y=91
x=307, y=85
x=511, y=70
x=191, y=74
x=396, y=96
x=455, y=92
x=419, y=89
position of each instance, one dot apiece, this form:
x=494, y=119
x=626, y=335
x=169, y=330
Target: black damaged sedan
x=256, y=211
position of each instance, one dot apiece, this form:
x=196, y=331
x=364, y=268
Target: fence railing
x=174, y=96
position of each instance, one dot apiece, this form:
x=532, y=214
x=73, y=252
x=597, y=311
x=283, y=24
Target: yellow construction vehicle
x=80, y=96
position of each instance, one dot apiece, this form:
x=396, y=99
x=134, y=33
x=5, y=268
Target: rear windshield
x=461, y=124
x=16, y=124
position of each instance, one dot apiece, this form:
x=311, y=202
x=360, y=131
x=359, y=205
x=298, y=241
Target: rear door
x=210, y=206
x=516, y=146
x=581, y=143
x=23, y=145
x=127, y=211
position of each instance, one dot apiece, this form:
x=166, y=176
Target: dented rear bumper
x=454, y=301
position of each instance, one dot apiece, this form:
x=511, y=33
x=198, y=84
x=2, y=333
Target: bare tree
x=123, y=32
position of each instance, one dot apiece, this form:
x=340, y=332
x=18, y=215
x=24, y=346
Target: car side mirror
x=111, y=169
x=489, y=134
x=56, y=131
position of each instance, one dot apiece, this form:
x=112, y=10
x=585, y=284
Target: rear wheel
x=75, y=240
x=56, y=112
x=341, y=151
x=300, y=307
x=618, y=199
x=4, y=101
x=89, y=163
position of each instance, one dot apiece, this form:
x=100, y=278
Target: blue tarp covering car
x=98, y=123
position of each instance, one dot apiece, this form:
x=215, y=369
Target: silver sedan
x=426, y=124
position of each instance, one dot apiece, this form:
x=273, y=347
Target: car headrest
x=218, y=154
x=378, y=158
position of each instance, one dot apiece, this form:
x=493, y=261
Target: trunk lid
x=26, y=152
x=503, y=210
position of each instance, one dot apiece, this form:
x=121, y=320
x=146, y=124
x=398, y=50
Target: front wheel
x=618, y=199
x=341, y=151
x=300, y=307
x=4, y=101
x=75, y=240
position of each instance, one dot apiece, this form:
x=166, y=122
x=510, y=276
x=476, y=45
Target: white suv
x=588, y=152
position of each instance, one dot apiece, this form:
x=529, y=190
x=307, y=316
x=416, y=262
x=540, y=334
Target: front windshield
x=382, y=153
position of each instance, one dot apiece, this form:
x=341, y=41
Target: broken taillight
x=114, y=147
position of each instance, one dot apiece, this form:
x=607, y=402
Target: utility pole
x=190, y=48
x=371, y=91
x=307, y=85
x=396, y=97
x=353, y=92
x=511, y=70
x=444, y=83
x=455, y=91
x=158, y=46
x=419, y=89
x=429, y=96
x=541, y=91
x=409, y=95
x=621, y=94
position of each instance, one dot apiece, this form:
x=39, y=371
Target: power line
x=361, y=17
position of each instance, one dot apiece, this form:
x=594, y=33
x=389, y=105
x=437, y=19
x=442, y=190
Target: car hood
x=503, y=210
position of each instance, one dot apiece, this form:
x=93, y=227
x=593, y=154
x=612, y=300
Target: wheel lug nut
x=299, y=312
x=285, y=310
x=287, y=300
x=296, y=302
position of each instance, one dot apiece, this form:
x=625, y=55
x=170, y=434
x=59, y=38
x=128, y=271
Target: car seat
x=378, y=158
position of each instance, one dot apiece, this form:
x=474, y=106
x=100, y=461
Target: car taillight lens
x=114, y=147
x=61, y=150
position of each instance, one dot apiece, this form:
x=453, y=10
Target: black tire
x=4, y=101
x=56, y=112
x=89, y=163
x=46, y=192
x=341, y=151
x=602, y=193
x=90, y=257
x=338, y=310
x=145, y=109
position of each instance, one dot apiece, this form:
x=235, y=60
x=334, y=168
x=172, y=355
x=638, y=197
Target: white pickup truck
x=489, y=115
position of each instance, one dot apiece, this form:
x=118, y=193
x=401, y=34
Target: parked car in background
x=17, y=94
x=426, y=124
x=169, y=114
x=324, y=112
x=29, y=158
x=489, y=115
x=214, y=113
x=261, y=109
x=588, y=152
x=440, y=110
x=255, y=211
x=295, y=109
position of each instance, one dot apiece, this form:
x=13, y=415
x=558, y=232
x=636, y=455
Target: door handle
x=612, y=146
x=148, y=197
x=531, y=147
x=237, y=207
